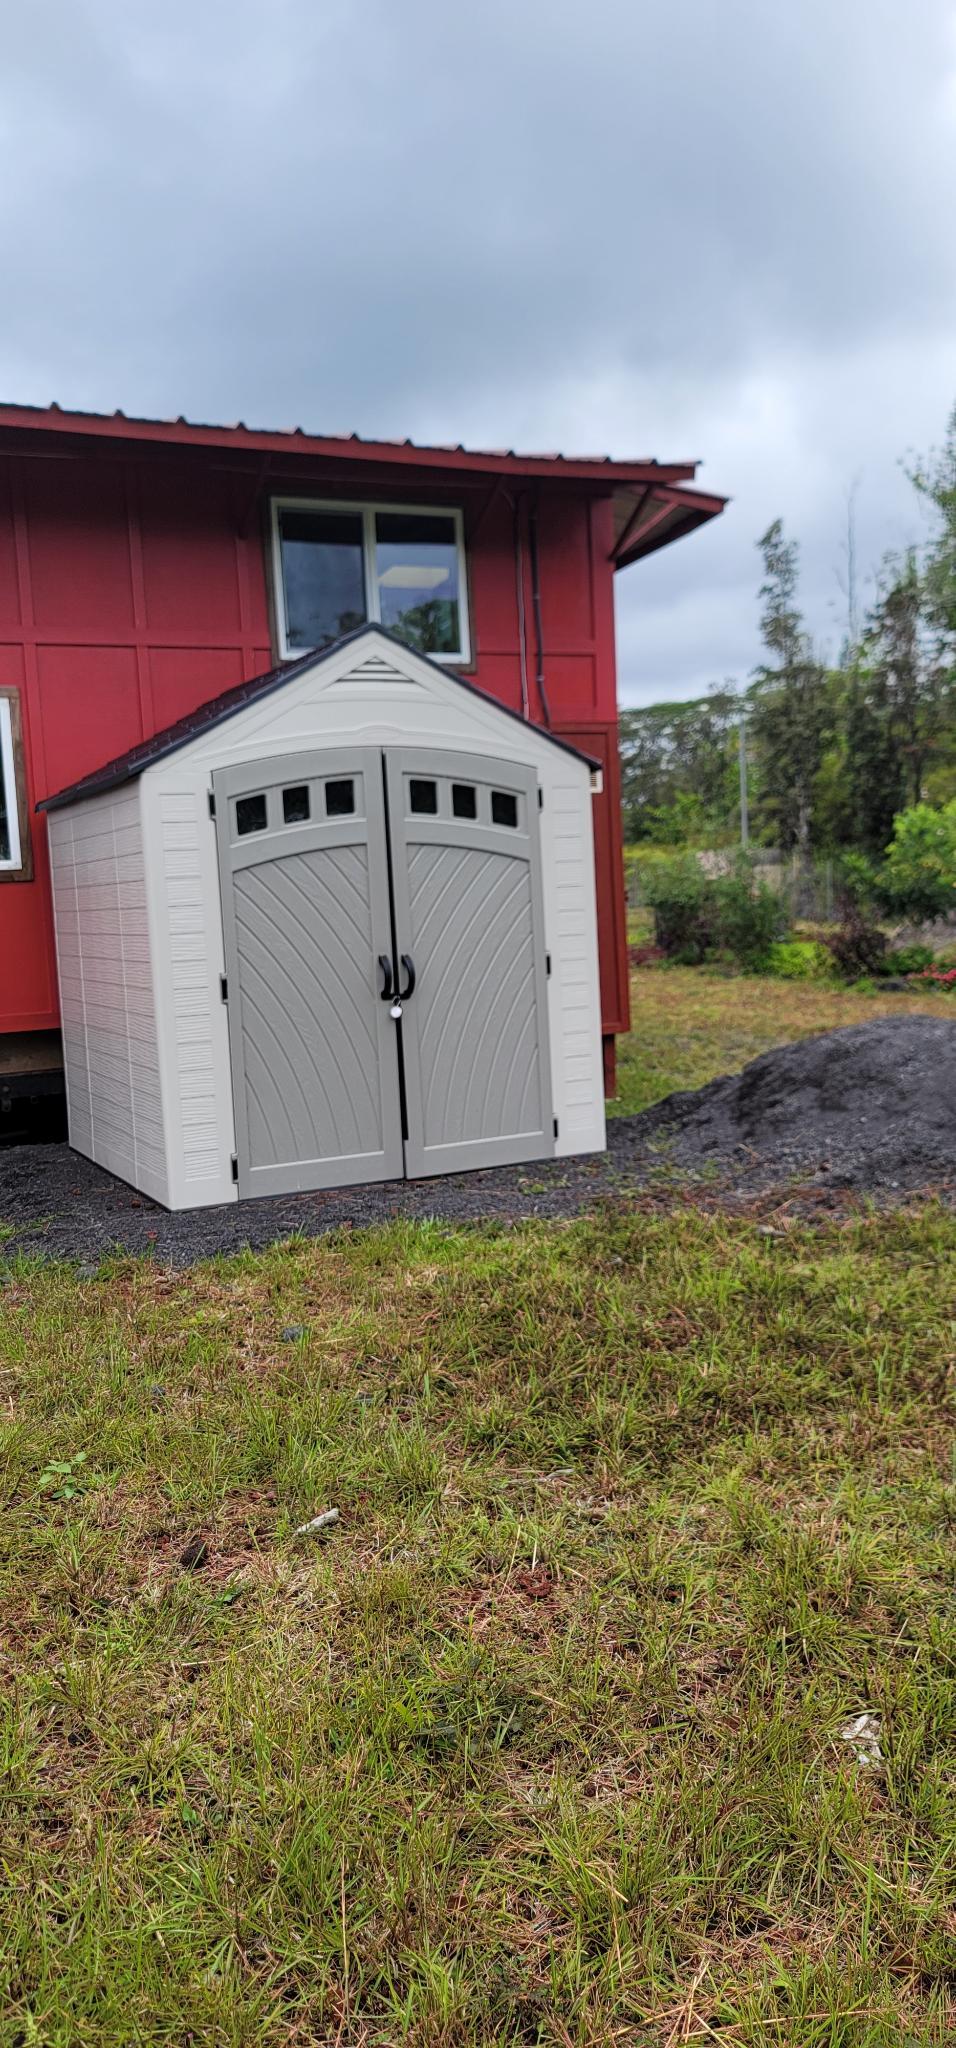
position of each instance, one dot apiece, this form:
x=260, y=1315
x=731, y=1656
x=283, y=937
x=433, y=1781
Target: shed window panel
x=10, y=849
x=295, y=805
x=423, y=797
x=504, y=807
x=339, y=567
x=464, y=800
x=340, y=798
x=251, y=815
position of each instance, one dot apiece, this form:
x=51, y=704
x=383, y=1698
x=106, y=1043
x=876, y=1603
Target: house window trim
x=13, y=769
x=367, y=509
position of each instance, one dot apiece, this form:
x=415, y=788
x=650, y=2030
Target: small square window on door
x=251, y=814
x=464, y=800
x=423, y=797
x=296, y=806
x=504, y=808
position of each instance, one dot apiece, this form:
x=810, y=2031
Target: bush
x=696, y=915
x=748, y=917
x=799, y=960
x=908, y=959
x=857, y=948
x=918, y=876
x=940, y=977
x=676, y=892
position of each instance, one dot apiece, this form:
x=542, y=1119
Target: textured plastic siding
x=110, y=1040
x=351, y=701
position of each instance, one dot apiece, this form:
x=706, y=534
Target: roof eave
x=662, y=514
x=294, y=442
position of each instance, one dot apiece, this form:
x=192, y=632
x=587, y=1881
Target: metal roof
x=299, y=440
x=129, y=766
x=653, y=502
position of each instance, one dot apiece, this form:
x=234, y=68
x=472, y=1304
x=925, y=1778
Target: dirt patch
x=869, y=1111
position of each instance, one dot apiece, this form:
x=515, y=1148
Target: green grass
x=691, y=1024
x=540, y=1743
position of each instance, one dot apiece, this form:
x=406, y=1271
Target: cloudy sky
x=717, y=229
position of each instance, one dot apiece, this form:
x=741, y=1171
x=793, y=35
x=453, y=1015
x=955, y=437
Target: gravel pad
x=869, y=1111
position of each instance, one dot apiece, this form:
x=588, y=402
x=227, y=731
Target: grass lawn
x=540, y=1742
x=689, y=1025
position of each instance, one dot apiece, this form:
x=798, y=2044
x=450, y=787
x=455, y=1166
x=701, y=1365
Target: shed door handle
x=387, y=989
x=409, y=989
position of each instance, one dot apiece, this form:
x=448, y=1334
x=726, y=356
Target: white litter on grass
x=864, y=1733
x=318, y=1522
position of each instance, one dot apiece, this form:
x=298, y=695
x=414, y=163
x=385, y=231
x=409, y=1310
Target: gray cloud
x=707, y=230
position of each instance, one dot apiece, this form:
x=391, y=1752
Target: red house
x=146, y=566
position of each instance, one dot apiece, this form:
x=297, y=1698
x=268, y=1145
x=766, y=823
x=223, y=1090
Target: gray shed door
x=468, y=913
x=306, y=913
x=328, y=862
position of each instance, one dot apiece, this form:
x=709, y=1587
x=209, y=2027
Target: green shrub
x=748, y=917
x=698, y=915
x=908, y=959
x=799, y=960
x=918, y=876
x=676, y=891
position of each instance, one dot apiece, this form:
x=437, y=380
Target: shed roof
x=654, y=502
x=129, y=766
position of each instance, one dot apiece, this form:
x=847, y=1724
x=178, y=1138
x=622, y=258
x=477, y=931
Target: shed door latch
x=224, y=987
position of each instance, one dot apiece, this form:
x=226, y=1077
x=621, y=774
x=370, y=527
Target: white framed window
x=337, y=566
x=14, y=845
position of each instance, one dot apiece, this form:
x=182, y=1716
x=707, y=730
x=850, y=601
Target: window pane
x=504, y=807
x=423, y=797
x=416, y=570
x=250, y=814
x=323, y=574
x=463, y=800
x=295, y=805
x=340, y=798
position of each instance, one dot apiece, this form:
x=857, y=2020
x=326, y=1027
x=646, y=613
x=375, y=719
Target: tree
x=792, y=713
x=677, y=769
x=935, y=481
x=910, y=687
x=872, y=768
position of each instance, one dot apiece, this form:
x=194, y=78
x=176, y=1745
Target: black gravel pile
x=870, y=1111
x=872, y=1108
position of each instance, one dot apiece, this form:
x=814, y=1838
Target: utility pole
x=742, y=760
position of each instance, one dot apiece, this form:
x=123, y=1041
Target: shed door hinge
x=224, y=987
x=540, y=798
x=212, y=803
x=555, y=1126
x=234, y=1163
x=547, y=965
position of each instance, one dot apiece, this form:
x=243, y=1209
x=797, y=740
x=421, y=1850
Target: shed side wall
x=110, y=1041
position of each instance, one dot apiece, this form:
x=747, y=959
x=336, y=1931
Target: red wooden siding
x=133, y=587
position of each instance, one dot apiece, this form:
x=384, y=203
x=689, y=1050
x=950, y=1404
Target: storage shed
x=338, y=925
